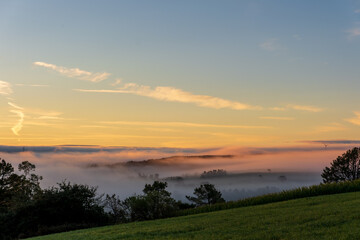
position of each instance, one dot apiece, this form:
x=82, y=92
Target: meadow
x=322, y=217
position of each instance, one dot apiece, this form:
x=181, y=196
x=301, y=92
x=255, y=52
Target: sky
x=179, y=74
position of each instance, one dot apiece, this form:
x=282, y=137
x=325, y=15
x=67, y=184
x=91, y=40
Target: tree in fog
x=344, y=168
x=156, y=202
x=206, y=194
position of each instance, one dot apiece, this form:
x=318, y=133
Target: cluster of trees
x=156, y=202
x=28, y=210
x=214, y=173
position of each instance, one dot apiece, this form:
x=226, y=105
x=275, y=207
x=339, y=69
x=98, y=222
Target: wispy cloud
x=332, y=127
x=271, y=45
x=342, y=141
x=171, y=94
x=278, y=108
x=357, y=11
x=43, y=114
x=31, y=85
x=355, y=120
x=305, y=108
x=297, y=37
x=19, y=111
x=100, y=149
x=117, y=82
x=277, y=118
x=182, y=124
x=50, y=117
x=354, y=32
x=18, y=126
x=75, y=72
x=5, y=88
x=15, y=106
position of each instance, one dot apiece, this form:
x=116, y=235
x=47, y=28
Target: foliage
x=65, y=207
x=214, y=173
x=323, y=217
x=27, y=210
x=156, y=202
x=206, y=194
x=117, y=209
x=344, y=168
x=17, y=189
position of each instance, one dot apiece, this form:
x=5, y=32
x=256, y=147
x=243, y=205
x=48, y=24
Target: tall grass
x=303, y=192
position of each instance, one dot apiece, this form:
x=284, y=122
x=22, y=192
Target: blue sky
x=271, y=54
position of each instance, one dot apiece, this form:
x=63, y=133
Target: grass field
x=325, y=217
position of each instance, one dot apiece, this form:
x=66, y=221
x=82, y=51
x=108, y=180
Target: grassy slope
x=324, y=217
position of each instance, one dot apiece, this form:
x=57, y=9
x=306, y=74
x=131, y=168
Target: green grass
x=302, y=192
x=324, y=217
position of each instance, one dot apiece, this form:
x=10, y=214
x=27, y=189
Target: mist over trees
x=156, y=202
x=15, y=189
x=206, y=194
x=214, y=173
x=28, y=210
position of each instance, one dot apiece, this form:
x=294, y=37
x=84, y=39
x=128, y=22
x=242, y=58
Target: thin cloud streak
x=278, y=108
x=343, y=141
x=272, y=45
x=15, y=106
x=50, y=118
x=31, y=85
x=352, y=33
x=75, y=72
x=355, y=120
x=306, y=108
x=171, y=94
x=5, y=88
x=183, y=124
x=331, y=127
x=278, y=118
x=18, y=126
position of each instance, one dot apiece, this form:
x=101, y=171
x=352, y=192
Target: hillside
x=324, y=217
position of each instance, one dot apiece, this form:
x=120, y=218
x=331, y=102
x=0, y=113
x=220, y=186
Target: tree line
x=28, y=210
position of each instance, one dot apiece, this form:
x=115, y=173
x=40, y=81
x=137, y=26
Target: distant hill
x=161, y=162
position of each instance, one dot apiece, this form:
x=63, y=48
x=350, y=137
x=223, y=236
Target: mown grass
x=324, y=217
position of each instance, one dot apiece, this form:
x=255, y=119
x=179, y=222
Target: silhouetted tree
x=214, y=173
x=17, y=189
x=344, y=168
x=206, y=194
x=156, y=202
x=6, y=172
x=282, y=178
x=61, y=208
x=159, y=199
x=118, y=211
x=27, y=210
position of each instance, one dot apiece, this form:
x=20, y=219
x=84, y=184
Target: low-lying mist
x=124, y=171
